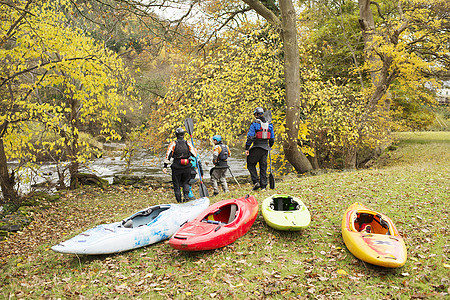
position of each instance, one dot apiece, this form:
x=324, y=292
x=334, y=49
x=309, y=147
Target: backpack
x=223, y=155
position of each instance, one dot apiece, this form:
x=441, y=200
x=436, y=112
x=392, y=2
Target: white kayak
x=148, y=226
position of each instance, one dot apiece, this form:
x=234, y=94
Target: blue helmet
x=217, y=138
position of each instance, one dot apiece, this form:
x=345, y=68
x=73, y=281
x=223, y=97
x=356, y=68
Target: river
x=142, y=164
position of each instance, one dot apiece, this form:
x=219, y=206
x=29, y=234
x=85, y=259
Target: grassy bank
x=410, y=184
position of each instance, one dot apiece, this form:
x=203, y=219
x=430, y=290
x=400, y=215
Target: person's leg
x=185, y=178
x=263, y=167
x=191, y=182
x=252, y=160
x=214, y=179
x=176, y=180
x=223, y=180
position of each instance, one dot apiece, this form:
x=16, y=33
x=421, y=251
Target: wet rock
x=14, y=228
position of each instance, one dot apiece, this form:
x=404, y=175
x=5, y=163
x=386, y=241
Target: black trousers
x=180, y=179
x=258, y=155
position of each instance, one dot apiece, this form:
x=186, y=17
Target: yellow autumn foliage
x=58, y=76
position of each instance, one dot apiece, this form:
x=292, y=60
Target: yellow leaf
x=341, y=272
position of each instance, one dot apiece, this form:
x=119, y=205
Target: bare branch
x=229, y=19
x=378, y=9
x=264, y=12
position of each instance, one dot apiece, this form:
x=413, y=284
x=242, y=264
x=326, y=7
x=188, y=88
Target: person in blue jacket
x=260, y=139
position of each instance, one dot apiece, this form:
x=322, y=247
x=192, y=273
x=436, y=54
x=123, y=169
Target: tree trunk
x=6, y=181
x=73, y=146
x=73, y=171
x=292, y=79
x=381, y=73
x=288, y=30
x=350, y=157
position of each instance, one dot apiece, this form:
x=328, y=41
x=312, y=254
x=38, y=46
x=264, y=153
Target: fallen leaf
x=140, y=282
x=341, y=272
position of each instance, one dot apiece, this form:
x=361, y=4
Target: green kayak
x=284, y=212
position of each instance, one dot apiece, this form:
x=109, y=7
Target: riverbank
x=410, y=185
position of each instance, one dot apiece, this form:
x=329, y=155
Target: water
x=142, y=164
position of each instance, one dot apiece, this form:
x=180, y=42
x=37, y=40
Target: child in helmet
x=221, y=152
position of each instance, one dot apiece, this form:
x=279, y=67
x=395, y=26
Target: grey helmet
x=258, y=111
x=179, y=132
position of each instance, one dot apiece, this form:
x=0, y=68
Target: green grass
x=409, y=184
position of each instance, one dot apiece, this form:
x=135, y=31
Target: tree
x=404, y=43
x=53, y=74
x=285, y=23
x=243, y=71
x=283, y=20
x=390, y=61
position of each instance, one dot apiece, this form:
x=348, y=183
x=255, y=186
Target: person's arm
x=216, y=152
x=192, y=149
x=169, y=155
x=251, y=135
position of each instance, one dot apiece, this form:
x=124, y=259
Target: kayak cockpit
x=284, y=203
x=223, y=215
x=144, y=216
x=369, y=222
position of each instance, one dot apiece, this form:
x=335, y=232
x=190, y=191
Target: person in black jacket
x=180, y=151
x=260, y=139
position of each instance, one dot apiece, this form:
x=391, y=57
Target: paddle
x=271, y=179
x=268, y=116
x=229, y=169
x=189, y=124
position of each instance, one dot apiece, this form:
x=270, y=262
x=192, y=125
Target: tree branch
x=264, y=12
x=16, y=23
x=229, y=19
x=5, y=80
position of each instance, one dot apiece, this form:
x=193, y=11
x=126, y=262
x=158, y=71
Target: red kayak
x=219, y=225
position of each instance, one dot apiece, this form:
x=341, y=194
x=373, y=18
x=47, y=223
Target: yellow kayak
x=284, y=212
x=372, y=237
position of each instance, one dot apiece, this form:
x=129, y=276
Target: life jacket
x=263, y=133
x=181, y=150
x=223, y=155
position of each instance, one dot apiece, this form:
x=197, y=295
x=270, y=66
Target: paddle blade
x=203, y=190
x=189, y=125
x=271, y=181
x=268, y=116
